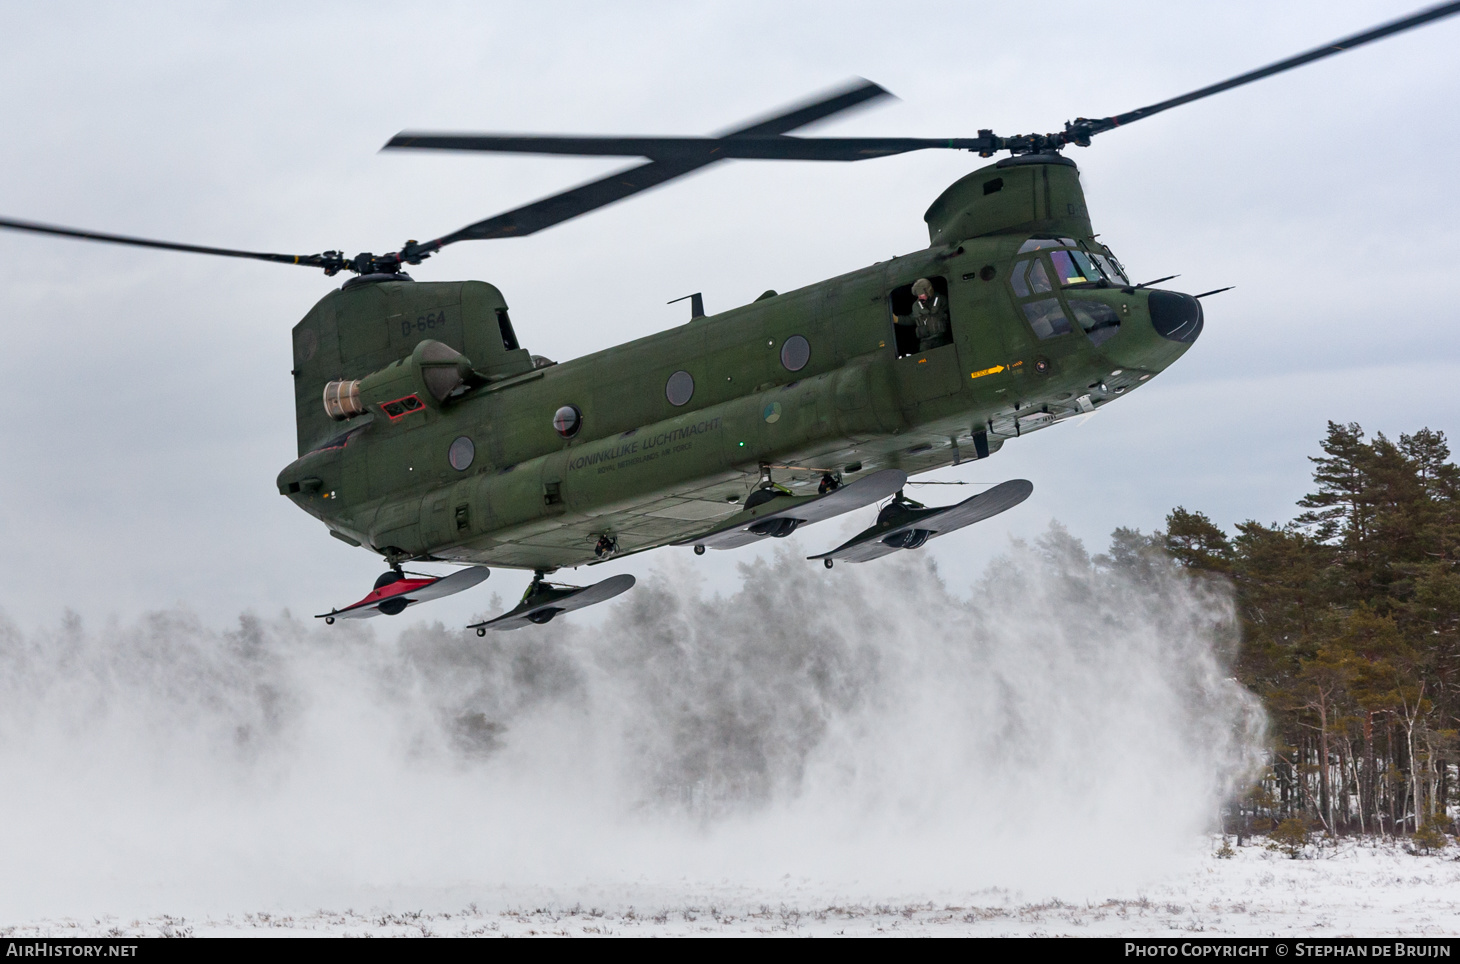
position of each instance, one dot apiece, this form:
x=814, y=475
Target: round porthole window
x=461, y=453
x=567, y=421
x=795, y=353
x=680, y=388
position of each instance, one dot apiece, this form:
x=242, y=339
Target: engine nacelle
x=426, y=377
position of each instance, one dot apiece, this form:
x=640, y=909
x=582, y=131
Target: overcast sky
x=148, y=399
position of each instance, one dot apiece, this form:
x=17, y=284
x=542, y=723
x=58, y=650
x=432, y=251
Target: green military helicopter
x=426, y=432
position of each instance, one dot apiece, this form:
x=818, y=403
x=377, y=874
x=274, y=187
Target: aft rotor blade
x=1428, y=15
x=580, y=200
x=326, y=261
x=776, y=148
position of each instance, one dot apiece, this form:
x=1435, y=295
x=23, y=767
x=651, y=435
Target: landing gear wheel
x=329, y=620
x=386, y=578
x=699, y=550
x=828, y=563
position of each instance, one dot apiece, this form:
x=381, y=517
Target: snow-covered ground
x=1037, y=757
x=1349, y=889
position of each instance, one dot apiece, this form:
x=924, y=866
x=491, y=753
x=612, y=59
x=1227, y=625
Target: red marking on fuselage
x=414, y=406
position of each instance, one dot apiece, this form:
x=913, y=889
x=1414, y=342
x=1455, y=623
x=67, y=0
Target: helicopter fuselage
x=529, y=464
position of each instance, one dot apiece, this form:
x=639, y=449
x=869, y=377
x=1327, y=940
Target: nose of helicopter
x=1157, y=328
x=1175, y=316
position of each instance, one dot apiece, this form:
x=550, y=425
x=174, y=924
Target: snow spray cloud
x=1067, y=727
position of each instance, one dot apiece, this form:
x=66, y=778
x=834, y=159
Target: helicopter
x=427, y=433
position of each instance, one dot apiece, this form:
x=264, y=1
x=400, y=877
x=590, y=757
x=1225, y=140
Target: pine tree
x=1194, y=540
x=1339, y=510
x=1350, y=630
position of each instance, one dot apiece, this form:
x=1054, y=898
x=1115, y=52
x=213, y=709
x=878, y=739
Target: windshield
x=1040, y=244
x=1111, y=267
x=1046, y=265
x=1074, y=267
x=1073, y=261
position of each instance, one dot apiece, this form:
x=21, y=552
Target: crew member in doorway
x=929, y=315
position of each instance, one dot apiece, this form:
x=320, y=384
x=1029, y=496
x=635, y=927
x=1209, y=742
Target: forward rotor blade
x=1318, y=53
x=813, y=109
x=580, y=200
x=327, y=260
x=778, y=148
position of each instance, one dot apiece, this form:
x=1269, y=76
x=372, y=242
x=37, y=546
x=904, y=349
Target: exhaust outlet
x=342, y=400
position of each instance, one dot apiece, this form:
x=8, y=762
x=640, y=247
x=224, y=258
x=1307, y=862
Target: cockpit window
x=1039, y=244
x=1111, y=268
x=1074, y=264
x=1077, y=266
x=1099, y=320
x=1086, y=266
x=1046, y=318
x=1074, y=267
x=1029, y=277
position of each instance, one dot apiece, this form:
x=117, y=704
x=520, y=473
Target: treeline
x=1350, y=634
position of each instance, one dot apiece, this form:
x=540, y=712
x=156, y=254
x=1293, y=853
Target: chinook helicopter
x=427, y=433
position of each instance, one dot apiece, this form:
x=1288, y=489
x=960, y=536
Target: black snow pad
x=872, y=543
x=806, y=509
x=552, y=601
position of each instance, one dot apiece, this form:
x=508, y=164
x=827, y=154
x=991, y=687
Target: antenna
x=696, y=305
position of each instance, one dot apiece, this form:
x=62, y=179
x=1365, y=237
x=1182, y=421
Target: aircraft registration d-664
x=426, y=432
